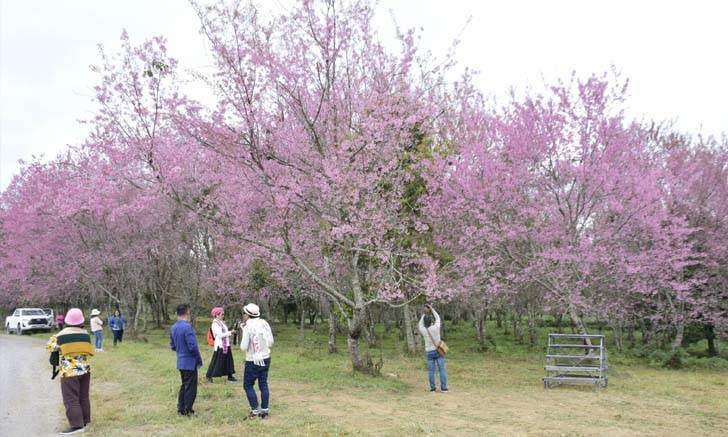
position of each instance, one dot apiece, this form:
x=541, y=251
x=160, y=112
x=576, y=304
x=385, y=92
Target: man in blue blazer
x=182, y=340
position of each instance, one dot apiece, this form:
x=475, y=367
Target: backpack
x=210, y=337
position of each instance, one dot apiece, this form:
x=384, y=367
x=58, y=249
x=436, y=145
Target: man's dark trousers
x=187, y=391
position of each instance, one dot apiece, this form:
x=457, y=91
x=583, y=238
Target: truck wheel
x=19, y=331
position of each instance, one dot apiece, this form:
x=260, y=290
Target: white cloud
x=673, y=53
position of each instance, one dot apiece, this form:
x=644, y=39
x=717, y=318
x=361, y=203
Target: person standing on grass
x=429, y=327
x=256, y=343
x=117, y=323
x=59, y=321
x=222, y=358
x=183, y=341
x=97, y=327
x=70, y=351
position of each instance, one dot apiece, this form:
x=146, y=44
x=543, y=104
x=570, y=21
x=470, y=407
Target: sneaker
x=432, y=390
x=444, y=390
x=70, y=431
x=232, y=379
x=263, y=415
x=252, y=415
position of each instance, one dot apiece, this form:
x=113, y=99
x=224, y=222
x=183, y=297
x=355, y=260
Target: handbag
x=441, y=346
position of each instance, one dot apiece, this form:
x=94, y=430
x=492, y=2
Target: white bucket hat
x=252, y=310
x=95, y=312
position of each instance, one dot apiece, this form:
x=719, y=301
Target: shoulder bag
x=441, y=346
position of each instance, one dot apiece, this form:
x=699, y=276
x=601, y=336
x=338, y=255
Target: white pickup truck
x=28, y=320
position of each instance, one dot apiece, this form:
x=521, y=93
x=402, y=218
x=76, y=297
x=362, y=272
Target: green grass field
x=499, y=392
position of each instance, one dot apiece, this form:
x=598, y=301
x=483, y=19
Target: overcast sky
x=673, y=52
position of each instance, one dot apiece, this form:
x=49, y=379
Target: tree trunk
x=630, y=335
x=332, y=330
x=481, y=330
x=356, y=329
x=532, y=328
x=407, y=325
x=145, y=311
x=617, y=329
x=358, y=322
x=578, y=323
x=164, y=309
x=679, y=333
x=302, y=323
x=515, y=324
x=710, y=336
x=560, y=324
x=646, y=332
x=371, y=335
x=138, y=312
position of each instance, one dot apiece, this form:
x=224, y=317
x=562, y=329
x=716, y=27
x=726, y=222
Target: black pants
x=75, y=391
x=187, y=391
x=118, y=335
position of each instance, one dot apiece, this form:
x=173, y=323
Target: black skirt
x=221, y=364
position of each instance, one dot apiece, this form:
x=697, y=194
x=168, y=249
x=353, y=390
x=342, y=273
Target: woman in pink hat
x=222, y=359
x=70, y=351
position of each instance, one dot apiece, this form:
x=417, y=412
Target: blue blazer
x=183, y=341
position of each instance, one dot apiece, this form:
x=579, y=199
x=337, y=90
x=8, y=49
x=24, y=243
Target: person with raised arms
x=429, y=327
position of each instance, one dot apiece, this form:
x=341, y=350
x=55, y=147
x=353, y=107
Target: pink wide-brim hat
x=215, y=311
x=74, y=317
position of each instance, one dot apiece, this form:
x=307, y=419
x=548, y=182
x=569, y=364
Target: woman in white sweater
x=222, y=363
x=429, y=327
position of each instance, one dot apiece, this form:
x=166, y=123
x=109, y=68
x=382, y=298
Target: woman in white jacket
x=222, y=363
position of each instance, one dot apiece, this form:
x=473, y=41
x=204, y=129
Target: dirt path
x=30, y=403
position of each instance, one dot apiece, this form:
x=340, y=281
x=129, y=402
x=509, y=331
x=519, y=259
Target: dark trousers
x=253, y=372
x=118, y=335
x=187, y=391
x=76, y=399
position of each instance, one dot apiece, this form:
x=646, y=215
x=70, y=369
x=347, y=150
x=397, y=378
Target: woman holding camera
x=429, y=327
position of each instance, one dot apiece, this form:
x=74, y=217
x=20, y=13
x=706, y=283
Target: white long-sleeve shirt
x=218, y=334
x=257, y=340
x=434, y=331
